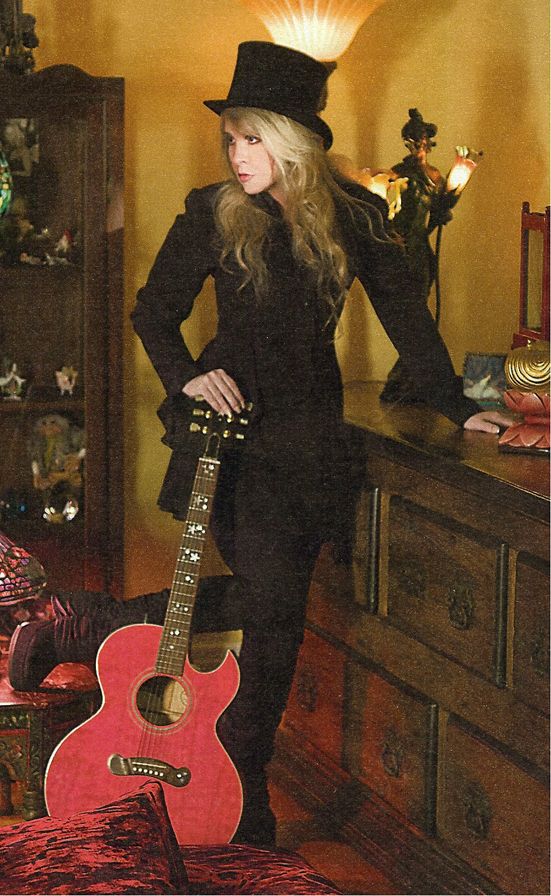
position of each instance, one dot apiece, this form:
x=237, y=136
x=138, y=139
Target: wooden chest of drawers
x=422, y=692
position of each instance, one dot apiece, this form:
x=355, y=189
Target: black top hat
x=269, y=76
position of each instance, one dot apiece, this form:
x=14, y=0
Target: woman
x=283, y=238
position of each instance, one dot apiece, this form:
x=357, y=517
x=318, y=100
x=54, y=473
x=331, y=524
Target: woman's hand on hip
x=488, y=421
x=217, y=388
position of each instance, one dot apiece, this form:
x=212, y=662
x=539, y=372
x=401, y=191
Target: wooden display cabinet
x=61, y=295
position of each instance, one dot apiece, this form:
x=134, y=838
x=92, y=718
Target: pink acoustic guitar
x=158, y=716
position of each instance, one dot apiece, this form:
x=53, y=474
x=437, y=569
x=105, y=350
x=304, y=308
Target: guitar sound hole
x=162, y=700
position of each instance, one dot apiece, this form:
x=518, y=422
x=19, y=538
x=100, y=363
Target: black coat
x=280, y=349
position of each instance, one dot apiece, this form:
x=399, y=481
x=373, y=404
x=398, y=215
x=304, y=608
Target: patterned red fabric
x=237, y=869
x=21, y=576
x=126, y=847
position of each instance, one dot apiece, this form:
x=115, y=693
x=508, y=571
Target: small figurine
x=64, y=245
x=62, y=505
x=66, y=379
x=11, y=384
x=57, y=451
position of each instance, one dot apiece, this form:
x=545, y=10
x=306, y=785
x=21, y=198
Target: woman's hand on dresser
x=488, y=421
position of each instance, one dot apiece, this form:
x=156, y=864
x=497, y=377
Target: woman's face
x=251, y=162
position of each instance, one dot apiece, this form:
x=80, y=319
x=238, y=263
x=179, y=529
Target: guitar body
x=152, y=726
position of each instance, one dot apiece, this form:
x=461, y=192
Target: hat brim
x=310, y=121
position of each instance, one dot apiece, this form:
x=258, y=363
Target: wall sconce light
x=459, y=175
x=323, y=29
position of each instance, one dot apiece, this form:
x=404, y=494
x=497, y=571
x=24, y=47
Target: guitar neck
x=174, y=644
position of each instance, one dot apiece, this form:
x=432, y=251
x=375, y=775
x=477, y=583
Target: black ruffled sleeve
x=185, y=260
x=382, y=269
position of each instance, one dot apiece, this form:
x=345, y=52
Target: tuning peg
x=249, y=406
x=198, y=412
x=239, y=435
x=243, y=421
x=226, y=434
x=194, y=427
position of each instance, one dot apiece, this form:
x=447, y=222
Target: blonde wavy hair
x=305, y=177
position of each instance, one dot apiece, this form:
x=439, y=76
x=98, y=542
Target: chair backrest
x=534, y=277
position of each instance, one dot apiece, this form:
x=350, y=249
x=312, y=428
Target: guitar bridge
x=151, y=768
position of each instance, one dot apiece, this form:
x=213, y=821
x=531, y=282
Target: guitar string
x=203, y=489
x=154, y=694
x=157, y=691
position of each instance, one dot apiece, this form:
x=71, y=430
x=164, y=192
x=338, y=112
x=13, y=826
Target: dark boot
x=38, y=647
x=217, y=607
x=248, y=727
x=145, y=608
x=32, y=654
x=83, y=619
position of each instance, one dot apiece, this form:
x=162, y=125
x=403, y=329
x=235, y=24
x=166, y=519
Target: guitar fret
x=174, y=643
x=186, y=589
x=179, y=616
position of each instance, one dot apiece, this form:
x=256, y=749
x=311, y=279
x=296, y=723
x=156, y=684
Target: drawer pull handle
x=307, y=690
x=392, y=757
x=461, y=606
x=478, y=812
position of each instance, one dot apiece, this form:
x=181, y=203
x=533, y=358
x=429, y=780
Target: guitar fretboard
x=174, y=644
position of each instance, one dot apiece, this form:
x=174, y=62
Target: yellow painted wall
x=477, y=69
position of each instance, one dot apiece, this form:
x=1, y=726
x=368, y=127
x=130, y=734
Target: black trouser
x=271, y=548
x=247, y=728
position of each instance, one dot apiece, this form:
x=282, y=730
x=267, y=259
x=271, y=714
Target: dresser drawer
x=447, y=587
x=494, y=814
x=390, y=744
x=315, y=707
x=531, y=633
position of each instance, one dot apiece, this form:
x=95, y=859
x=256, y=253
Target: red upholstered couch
x=129, y=846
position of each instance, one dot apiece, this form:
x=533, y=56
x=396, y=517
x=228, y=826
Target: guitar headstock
x=218, y=429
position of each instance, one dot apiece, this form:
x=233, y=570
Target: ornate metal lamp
x=426, y=207
x=322, y=28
